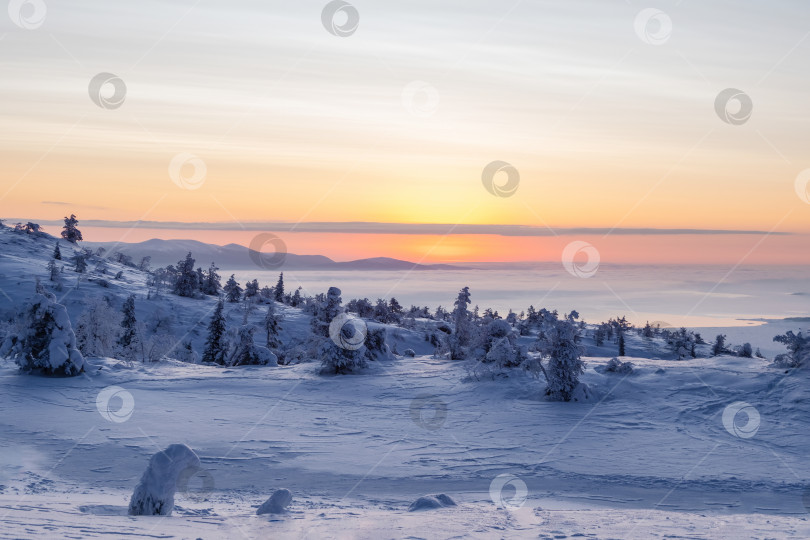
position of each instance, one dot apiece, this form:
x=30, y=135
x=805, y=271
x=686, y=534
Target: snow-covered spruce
x=277, y=503
x=154, y=494
x=44, y=342
x=565, y=363
x=376, y=347
x=247, y=353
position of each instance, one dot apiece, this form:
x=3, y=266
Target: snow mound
x=584, y=394
x=154, y=495
x=277, y=503
x=431, y=502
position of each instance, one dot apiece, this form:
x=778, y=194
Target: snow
x=654, y=454
x=277, y=503
x=154, y=494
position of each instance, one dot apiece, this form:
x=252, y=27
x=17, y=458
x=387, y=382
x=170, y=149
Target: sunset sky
x=395, y=123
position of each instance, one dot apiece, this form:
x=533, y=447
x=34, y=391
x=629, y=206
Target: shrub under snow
x=45, y=342
x=154, y=494
x=615, y=365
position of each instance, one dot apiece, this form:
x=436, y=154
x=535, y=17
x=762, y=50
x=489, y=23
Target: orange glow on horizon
x=433, y=249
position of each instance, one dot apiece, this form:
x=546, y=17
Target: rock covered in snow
x=409, y=353
x=431, y=502
x=277, y=503
x=154, y=494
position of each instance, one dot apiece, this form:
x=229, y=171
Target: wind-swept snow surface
x=653, y=458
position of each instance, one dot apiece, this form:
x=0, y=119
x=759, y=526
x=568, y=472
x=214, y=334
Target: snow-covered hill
x=653, y=455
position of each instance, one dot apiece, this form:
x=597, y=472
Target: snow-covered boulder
x=277, y=503
x=154, y=494
x=409, y=353
x=44, y=342
x=431, y=502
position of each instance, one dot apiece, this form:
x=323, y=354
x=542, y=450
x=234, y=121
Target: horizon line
x=373, y=227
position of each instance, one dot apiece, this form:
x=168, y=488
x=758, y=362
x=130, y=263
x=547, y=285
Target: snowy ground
x=652, y=459
x=650, y=456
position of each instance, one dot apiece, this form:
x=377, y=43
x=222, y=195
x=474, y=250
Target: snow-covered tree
x=96, y=329
x=143, y=266
x=565, y=363
x=375, y=345
x=462, y=334
x=128, y=341
x=53, y=270
x=280, y=288
x=499, y=345
x=247, y=353
x=266, y=293
x=381, y=312
x=80, y=259
x=70, y=232
x=233, y=292
x=187, y=282
x=395, y=311
x=719, y=346
x=272, y=326
x=798, y=347
x=57, y=253
x=599, y=335
x=211, y=284
x=44, y=341
x=252, y=289
x=296, y=299
x=185, y=352
x=216, y=347
x=326, y=311
x=339, y=361
x=622, y=351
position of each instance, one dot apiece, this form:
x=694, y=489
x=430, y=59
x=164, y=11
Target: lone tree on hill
x=70, y=232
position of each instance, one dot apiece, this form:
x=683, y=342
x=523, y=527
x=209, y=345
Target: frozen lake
x=693, y=296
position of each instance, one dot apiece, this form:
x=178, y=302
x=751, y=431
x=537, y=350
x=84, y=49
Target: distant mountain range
x=236, y=257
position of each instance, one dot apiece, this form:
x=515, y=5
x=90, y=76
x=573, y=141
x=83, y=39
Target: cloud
x=74, y=205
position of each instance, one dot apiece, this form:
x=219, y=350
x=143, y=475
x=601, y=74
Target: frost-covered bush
x=247, y=353
x=745, y=350
x=154, y=494
x=44, y=341
x=96, y=329
x=615, y=365
x=185, y=353
x=504, y=353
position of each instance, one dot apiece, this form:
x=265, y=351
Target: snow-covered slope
x=653, y=455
